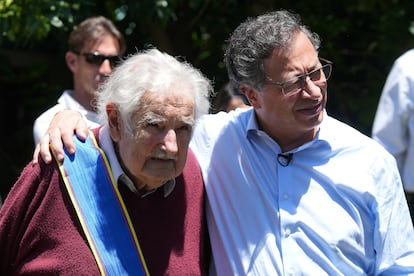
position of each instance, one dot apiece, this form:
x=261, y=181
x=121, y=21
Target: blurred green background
x=361, y=37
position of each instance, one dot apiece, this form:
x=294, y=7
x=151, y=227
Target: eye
x=184, y=128
x=315, y=75
x=293, y=83
x=153, y=126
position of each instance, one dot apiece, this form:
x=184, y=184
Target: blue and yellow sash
x=101, y=210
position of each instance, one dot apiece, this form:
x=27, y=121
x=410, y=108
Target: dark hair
x=91, y=30
x=223, y=97
x=255, y=39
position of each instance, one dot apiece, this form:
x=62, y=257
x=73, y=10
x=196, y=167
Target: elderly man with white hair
x=130, y=202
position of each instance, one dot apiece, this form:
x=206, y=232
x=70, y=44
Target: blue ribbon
x=101, y=210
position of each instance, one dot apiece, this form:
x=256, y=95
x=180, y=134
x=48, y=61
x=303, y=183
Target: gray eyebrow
x=155, y=118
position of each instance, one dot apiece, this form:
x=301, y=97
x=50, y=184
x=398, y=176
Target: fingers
x=81, y=129
x=36, y=154
x=43, y=150
x=56, y=145
x=59, y=133
x=65, y=135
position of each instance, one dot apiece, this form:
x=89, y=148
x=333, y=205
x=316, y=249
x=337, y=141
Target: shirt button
x=287, y=232
x=285, y=196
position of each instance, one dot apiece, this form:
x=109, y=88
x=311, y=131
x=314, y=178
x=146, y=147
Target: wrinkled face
x=88, y=76
x=157, y=149
x=291, y=119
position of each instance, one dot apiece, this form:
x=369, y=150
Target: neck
x=83, y=100
x=294, y=144
x=141, y=186
x=285, y=136
x=290, y=142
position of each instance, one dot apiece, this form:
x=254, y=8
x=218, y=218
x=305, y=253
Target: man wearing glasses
x=95, y=47
x=290, y=190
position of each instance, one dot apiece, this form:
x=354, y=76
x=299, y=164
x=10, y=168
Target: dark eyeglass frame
x=296, y=84
x=97, y=59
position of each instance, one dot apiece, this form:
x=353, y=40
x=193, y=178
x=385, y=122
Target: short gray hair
x=154, y=71
x=254, y=41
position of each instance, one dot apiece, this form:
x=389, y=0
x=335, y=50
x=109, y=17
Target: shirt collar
x=253, y=127
x=67, y=100
x=106, y=143
x=252, y=122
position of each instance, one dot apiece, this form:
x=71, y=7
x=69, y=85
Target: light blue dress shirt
x=393, y=126
x=337, y=208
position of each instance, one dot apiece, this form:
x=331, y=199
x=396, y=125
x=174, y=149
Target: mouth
x=163, y=160
x=316, y=109
x=161, y=165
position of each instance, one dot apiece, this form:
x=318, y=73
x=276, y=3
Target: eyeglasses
x=96, y=58
x=296, y=84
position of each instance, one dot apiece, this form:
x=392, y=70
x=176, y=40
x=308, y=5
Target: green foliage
x=25, y=22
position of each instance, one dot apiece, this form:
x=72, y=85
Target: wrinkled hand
x=60, y=132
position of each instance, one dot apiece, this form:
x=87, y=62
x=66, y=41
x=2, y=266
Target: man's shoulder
x=405, y=60
x=192, y=168
x=343, y=135
x=34, y=182
x=191, y=161
x=212, y=125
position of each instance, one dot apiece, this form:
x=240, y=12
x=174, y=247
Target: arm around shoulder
x=61, y=129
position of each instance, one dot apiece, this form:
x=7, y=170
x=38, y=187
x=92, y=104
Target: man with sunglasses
x=290, y=190
x=95, y=47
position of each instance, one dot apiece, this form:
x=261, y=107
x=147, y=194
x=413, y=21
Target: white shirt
x=393, y=125
x=65, y=101
x=337, y=208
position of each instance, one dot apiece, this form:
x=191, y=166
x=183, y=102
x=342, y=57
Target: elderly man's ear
x=114, y=122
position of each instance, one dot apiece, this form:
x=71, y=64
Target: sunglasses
x=96, y=58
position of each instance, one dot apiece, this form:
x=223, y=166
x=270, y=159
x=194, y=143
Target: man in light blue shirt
x=290, y=190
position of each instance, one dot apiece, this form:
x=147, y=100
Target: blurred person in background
x=228, y=98
x=95, y=47
x=393, y=125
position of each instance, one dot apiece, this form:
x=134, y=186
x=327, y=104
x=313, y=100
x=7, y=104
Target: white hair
x=151, y=71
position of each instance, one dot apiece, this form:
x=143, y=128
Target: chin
x=161, y=176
